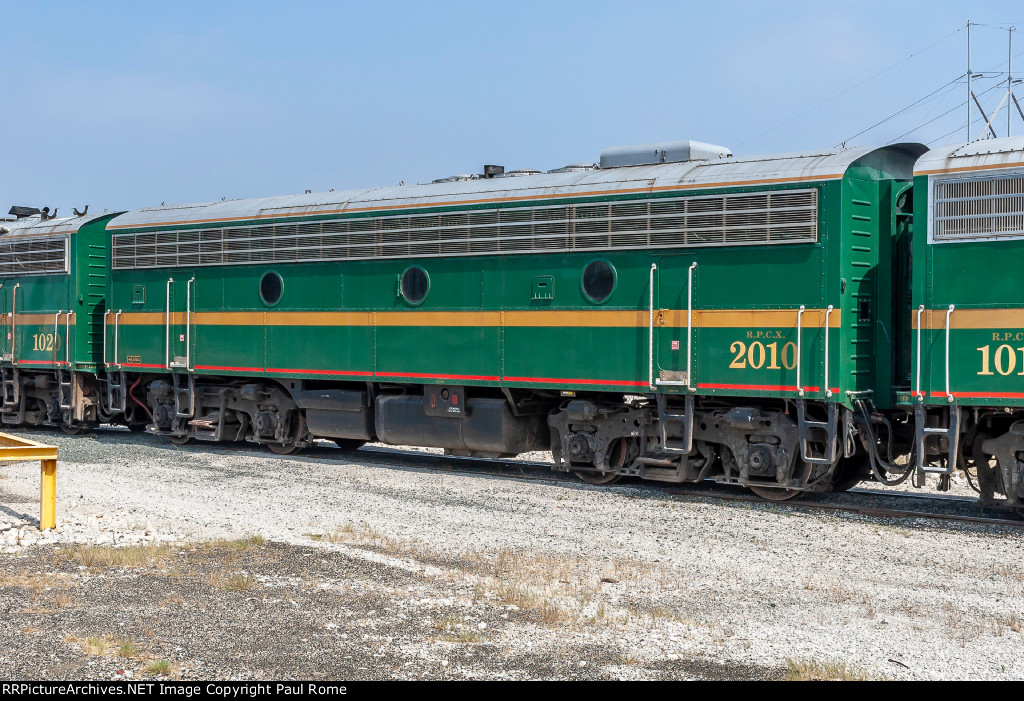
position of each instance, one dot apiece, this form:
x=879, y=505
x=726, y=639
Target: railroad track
x=855, y=501
x=728, y=493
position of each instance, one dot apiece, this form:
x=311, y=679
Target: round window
x=271, y=287
x=598, y=280
x=415, y=284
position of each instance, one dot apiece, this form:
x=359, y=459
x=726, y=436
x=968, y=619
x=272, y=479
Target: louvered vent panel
x=978, y=208
x=788, y=216
x=34, y=256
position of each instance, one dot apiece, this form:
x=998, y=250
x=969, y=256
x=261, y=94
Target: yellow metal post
x=17, y=449
x=48, y=495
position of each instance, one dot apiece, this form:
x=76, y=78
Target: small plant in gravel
x=105, y=556
x=128, y=649
x=161, y=668
x=815, y=671
x=243, y=581
x=94, y=645
x=247, y=543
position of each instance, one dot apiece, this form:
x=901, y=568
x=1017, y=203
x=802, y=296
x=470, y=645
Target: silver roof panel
x=720, y=172
x=1005, y=152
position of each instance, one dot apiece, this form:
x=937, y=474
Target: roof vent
x=491, y=171
x=518, y=173
x=456, y=179
x=575, y=168
x=664, y=152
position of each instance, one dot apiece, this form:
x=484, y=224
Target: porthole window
x=598, y=280
x=415, y=284
x=271, y=287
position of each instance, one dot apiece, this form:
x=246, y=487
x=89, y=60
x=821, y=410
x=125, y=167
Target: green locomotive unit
x=674, y=314
x=968, y=315
x=53, y=287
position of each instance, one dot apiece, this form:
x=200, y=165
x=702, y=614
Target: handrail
x=920, y=311
x=689, y=327
x=167, y=326
x=949, y=313
x=828, y=390
x=188, y=323
x=117, y=318
x=105, y=315
x=799, y=319
x=56, y=336
x=650, y=331
x=67, y=338
x=14, y=322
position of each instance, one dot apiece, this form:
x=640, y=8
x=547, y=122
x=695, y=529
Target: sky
x=122, y=105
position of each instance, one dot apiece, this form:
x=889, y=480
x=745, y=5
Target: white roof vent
x=457, y=179
x=575, y=168
x=518, y=173
x=664, y=152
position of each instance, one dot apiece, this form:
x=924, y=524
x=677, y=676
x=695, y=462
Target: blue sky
x=127, y=104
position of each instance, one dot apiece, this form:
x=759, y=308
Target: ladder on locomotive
x=812, y=432
x=11, y=387
x=117, y=392
x=184, y=385
x=65, y=387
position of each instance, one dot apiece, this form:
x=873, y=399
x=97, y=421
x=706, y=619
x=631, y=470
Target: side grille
x=786, y=216
x=33, y=256
x=978, y=208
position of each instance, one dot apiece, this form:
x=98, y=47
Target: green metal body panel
x=38, y=330
x=981, y=279
x=483, y=322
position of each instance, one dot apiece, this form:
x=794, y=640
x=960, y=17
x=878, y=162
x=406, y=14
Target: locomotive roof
x=36, y=226
x=803, y=166
x=1005, y=152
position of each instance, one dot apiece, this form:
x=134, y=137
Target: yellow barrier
x=15, y=449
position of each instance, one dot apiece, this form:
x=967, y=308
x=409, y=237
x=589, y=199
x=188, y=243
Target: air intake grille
x=785, y=216
x=33, y=256
x=979, y=208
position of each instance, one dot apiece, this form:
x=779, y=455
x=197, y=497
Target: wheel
x=181, y=440
x=75, y=430
x=598, y=478
x=774, y=493
x=283, y=449
x=851, y=472
x=349, y=443
x=137, y=428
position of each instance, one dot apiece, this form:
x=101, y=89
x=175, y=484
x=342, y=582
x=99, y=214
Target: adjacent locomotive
x=54, y=275
x=968, y=315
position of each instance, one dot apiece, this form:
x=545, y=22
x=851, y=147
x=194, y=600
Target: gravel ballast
x=358, y=565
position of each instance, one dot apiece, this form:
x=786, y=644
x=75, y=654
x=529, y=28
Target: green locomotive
x=54, y=274
x=674, y=314
x=968, y=315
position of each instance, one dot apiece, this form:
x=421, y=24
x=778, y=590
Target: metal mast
x=969, y=93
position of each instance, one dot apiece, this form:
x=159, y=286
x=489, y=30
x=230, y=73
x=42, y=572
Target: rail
x=799, y=327
x=67, y=338
x=650, y=330
x=828, y=388
x=117, y=319
x=188, y=323
x=917, y=374
x=167, y=326
x=949, y=313
x=688, y=381
x=14, y=322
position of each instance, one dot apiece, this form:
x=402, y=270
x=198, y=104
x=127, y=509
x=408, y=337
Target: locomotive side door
x=673, y=322
x=178, y=321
